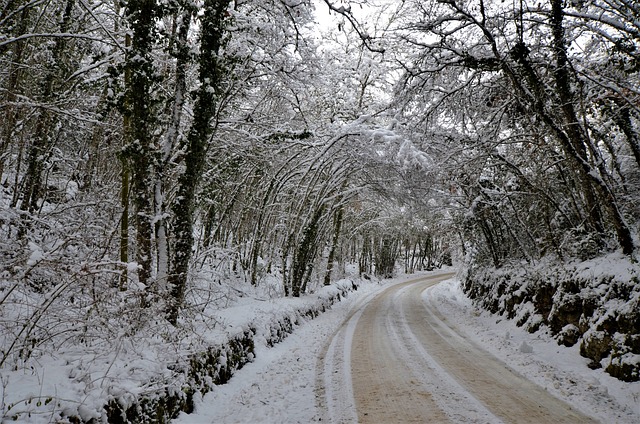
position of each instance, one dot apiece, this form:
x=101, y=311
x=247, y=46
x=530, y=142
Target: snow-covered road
x=414, y=351
x=409, y=365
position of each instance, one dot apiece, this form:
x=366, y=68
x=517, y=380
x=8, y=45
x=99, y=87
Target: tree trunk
x=42, y=141
x=12, y=87
x=622, y=117
x=124, y=223
x=168, y=143
x=574, y=138
x=210, y=73
x=334, y=243
x=138, y=124
x=304, y=255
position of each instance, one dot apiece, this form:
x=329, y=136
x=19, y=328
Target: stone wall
x=595, y=304
x=202, y=371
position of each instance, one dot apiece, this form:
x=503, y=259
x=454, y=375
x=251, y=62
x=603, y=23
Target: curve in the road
x=408, y=365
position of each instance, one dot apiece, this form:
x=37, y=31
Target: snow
x=558, y=369
x=457, y=402
x=36, y=255
x=281, y=385
x=341, y=398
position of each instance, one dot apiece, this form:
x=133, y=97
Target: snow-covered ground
x=288, y=383
x=282, y=385
x=558, y=369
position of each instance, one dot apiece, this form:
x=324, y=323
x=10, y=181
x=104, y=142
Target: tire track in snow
x=334, y=392
x=446, y=391
x=506, y=393
x=395, y=359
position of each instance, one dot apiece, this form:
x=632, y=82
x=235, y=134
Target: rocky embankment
x=202, y=371
x=594, y=303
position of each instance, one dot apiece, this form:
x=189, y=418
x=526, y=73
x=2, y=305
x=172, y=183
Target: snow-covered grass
x=129, y=365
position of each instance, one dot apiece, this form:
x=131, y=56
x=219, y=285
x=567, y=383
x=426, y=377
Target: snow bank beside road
x=593, y=303
x=559, y=369
x=148, y=378
x=280, y=385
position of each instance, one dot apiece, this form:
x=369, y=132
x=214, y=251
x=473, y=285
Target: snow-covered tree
x=510, y=89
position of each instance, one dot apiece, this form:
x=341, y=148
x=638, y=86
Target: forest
x=156, y=157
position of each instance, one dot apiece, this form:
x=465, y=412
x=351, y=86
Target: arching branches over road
x=535, y=109
x=149, y=149
x=152, y=149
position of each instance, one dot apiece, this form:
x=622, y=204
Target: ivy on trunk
x=211, y=75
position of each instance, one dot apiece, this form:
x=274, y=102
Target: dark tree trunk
x=211, y=74
x=304, y=255
x=12, y=87
x=138, y=121
x=574, y=139
x=42, y=139
x=181, y=50
x=386, y=256
x=334, y=244
x=622, y=117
